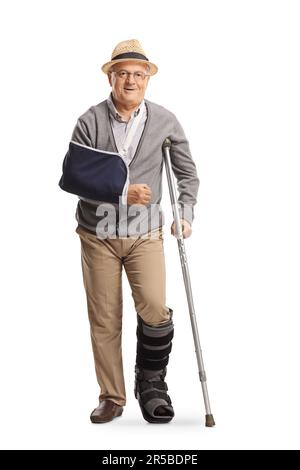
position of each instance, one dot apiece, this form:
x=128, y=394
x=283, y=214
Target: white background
x=230, y=72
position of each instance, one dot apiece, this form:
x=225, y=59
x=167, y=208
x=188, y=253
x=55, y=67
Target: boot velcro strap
x=150, y=341
x=148, y=395
x=153, y=353
x=151, y=365
x=159, y=385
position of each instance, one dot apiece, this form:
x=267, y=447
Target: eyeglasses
x=138, y=76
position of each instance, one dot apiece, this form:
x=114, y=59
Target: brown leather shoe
x=106, y=411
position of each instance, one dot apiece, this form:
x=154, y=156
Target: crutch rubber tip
x=209, y=421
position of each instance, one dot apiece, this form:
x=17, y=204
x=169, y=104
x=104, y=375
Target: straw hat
x=129, y=50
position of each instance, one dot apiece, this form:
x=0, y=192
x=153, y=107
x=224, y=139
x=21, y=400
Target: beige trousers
x=102, y=263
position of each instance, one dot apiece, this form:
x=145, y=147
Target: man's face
x=128, y=89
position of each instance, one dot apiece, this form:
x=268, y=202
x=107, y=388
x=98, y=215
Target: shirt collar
x=113, y=111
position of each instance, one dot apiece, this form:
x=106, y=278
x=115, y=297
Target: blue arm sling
x=94, y=174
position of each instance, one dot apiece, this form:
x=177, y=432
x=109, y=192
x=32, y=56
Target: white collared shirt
x=121, y=128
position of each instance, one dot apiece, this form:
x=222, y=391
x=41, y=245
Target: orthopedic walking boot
x=154, y=344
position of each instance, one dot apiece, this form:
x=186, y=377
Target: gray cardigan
x=93, y=129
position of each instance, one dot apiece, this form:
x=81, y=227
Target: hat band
x=130, y=55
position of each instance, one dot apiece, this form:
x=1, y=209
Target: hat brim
x=153, y=68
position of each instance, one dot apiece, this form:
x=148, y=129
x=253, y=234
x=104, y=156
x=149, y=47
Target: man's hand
x=185, y=226
x=138, y=194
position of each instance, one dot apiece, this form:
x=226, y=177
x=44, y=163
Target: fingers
x=145, y=196
x=145, y=199
x=139, y=194
x=147, y=190
x=185, y=228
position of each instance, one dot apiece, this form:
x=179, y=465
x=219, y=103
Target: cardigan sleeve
x=81, y=134
x=185, y=172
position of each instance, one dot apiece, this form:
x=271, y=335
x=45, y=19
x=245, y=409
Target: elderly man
x=134, y=128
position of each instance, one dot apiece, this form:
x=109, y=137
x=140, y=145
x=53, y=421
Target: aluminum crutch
x=209, y=420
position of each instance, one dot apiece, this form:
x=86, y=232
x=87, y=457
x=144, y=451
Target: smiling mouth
x=130, y=89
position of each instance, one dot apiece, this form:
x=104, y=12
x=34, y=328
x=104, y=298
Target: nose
x=130, y=79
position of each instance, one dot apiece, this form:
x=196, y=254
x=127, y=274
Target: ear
x=109, y=76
